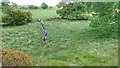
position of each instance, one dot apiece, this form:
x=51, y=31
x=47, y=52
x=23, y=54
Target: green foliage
x=69, y=42
x=8, y=9
x=73, y=11
x=102, y=8
x=15, y=58
x=51, y=7
x=29, y=14
x=107, y=19
x=24, y=7
x=60, y=4
x=44, y=5
x=17, y=18
x=14, y=4
x=51, y=18
x=13, y=16
x=4, y=3
x=33, y=7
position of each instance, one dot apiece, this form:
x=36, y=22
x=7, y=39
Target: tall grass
x=68, y=43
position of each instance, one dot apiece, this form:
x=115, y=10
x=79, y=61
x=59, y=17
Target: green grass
x=40, y=13
x=68, y=43
x=0, y=13
x=0, y=35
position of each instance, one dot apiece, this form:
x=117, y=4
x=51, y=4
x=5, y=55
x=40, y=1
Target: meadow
x=0, y=34
x=69, y=43
x=0, y=14
x=46, y=13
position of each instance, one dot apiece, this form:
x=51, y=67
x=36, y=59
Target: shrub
x=60, y=4
x=49, y=19
x=73, y=11
x=15, y=58
x=7, y=19
x=107, y=21
x=17, y=18
x=13, y=16
x=29, y=14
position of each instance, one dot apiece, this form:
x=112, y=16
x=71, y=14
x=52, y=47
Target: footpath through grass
x=68, y=43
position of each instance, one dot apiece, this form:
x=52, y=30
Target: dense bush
x=49, y=19
x=73, y=11
x=29, y=14
x=107, y=19
x=60, y=4
x=15, y=58
x=44, y=5
x=17, y=18
x=13, y=16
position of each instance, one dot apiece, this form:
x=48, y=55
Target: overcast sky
x=35, y=2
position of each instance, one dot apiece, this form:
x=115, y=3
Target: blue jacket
x=45, y=32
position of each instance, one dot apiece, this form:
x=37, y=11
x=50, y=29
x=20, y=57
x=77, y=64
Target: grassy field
x=46, y=13
x=69, y=43
x=0, y=34
x=0, y=13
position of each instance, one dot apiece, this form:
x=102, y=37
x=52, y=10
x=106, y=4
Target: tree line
x=104, y=14
x=43, y=6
